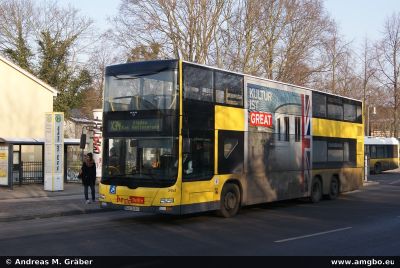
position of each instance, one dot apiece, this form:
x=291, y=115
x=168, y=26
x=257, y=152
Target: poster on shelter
x=54, y=152
x=97, y=150
x=4, y=165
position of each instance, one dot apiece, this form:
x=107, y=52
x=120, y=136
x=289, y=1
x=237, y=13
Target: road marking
x=394, y=182
x=352, y=192
x=310, y=235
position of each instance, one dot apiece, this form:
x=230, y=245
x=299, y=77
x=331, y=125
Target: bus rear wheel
x=378, y=169
x=333, y=189
x=230, y=201
x=316, y=191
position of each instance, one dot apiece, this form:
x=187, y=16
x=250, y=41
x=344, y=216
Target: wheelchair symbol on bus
x=113, y=189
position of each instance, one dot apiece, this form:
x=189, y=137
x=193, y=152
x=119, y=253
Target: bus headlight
x=102, y=196
x=166, y=200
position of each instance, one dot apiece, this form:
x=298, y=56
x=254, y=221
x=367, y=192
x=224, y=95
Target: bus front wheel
x=316, y=191
x=230, y=201
x=333, y=189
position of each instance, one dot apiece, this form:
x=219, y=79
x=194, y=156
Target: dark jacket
x=88, y=173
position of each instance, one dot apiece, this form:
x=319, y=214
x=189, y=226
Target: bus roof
x=172, y=63
x=269, y=80
x=380, y=141
x=145, y=66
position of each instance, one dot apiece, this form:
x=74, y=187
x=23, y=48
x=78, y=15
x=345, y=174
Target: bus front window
x=141, y=159
x=141, y=91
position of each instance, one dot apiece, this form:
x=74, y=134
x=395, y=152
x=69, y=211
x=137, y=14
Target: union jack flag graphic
x=306, y=141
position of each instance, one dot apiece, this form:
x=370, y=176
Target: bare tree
x=239, y=43
x=278, y=39
x=47, y=40
x=24, y=22
x=67, y=26
x=103, y=54
x=293, y=41
x=186, y=28
x=306, y=27
x=338, y=62
x=388, y=64
x=366, y=78
x=16, y=30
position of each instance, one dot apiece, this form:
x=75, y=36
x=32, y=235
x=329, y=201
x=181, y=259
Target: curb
x=40, y=196
x=56, y=214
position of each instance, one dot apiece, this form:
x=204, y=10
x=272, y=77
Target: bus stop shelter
x=22, y=160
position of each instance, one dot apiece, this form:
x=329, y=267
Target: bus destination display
x=136, y=125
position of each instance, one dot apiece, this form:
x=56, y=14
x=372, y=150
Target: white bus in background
x=383, y=153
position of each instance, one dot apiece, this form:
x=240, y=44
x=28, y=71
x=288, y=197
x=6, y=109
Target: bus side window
x=230, y=151
x=334, y=108
x=319, y=105
x=380, y=151
x=228, y=88
x=372, y=150
x=198, y=83
x=395, y=149
x=198, y=162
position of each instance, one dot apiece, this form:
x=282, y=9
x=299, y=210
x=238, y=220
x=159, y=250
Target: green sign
x=58, y=118
x=135, y=125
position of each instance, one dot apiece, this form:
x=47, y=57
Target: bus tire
x=377, y=168
x=334, y=188
x=230, y=201
x=316, y=191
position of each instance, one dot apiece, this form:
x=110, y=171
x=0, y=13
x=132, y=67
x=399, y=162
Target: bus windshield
x=141, y=91
x=134, y=161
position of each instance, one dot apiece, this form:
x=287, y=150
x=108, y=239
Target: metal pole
x=10, y=166
x=65, y=162
x=20, y=174
x=368, y=123
x=43, y=148
x=85, y=141
x=366, y=168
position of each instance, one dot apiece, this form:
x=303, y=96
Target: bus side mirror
x=82, y=143
x=186, y=146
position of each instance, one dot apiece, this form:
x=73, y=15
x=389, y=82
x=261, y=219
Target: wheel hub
x=230, y=201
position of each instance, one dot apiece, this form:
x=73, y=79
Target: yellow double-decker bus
x=181, y=138
x=383, y=153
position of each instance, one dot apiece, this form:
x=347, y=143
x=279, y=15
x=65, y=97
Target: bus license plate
x=130, y=208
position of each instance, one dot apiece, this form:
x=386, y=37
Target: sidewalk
x=31, y=202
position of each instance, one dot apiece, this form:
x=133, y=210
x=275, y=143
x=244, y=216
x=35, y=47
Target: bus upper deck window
x=198, y=83
x=228, y=88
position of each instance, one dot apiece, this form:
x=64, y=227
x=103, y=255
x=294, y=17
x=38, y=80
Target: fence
x=29, y=173
x=32, y=173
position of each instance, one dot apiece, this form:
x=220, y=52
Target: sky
x=360, y=18
x=356, y=18
x=98, y=10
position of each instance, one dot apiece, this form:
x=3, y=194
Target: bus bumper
x=173, y=210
